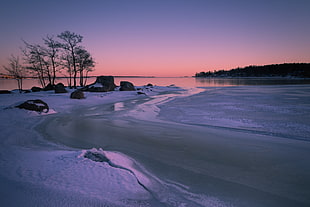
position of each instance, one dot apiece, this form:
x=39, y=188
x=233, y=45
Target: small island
x=289, y=70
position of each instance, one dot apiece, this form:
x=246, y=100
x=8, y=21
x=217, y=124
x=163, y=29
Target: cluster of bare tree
x=62, y=56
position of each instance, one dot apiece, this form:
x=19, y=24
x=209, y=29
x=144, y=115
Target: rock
x=78, y=94
x=60, y=88
x=107, y=81
x=95, y=156
x=36, y=89
x=150, y=85
x=34, y=105
x=127, y=86
x=95, y=88
x=49, y=87
x=5, y=92
x=102, y=84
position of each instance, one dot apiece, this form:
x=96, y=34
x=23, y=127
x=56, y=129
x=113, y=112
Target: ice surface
x=230, y=146
x=277, y=110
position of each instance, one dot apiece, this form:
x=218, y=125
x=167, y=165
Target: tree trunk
x=74, y=66
x=85, y=80
x=74, y=78
x=70, y=79
x=54, y=71
x=81, y=77
x=49, y=75
x=20, y=84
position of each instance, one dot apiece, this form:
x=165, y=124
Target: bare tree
x=85, y=64
x=70, y=43
x=47, y=60
x=66, y=63
x=51, y=52
x=34, y=56
x=16, y=70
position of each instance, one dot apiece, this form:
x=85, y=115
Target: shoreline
x=10, y=84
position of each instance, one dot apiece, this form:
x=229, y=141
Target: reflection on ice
x=118, y=106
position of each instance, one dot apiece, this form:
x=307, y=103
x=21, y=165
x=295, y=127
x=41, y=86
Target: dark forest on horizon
x=298, y=70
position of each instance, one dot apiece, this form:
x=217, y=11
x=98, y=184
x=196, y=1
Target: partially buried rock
x=49, y=87
x=5, y=92
x=60, y=88
x=36, y=89
x=34, y=105
x=95, y=156
x=102, y=84
x=78, y=94
x=127, y=86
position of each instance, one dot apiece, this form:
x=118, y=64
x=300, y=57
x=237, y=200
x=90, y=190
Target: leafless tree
x=85, y=64
x=52, y=52
x=70, y=43
x=66, y=63
x=34, y=56
x=16, y=70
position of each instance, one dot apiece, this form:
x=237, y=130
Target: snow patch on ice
x=118, y=106
x=150, y=110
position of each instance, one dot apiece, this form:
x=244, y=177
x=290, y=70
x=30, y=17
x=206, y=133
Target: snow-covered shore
x=170, y=147
x=35, y=172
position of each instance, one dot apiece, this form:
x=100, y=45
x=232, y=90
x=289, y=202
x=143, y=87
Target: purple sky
x=165, y=37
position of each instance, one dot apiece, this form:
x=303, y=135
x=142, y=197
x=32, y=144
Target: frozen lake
x=210, y=146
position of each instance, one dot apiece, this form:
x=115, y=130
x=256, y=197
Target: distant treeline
x=300, y=70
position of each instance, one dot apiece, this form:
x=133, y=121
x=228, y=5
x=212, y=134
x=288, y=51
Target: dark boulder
x=150, y=85
x=78, y=94
x=96, y=88
x=102, y=84
x=127, y=86
x=141, y=92
x=60, y=88
x=49, y=87
x=36, y=89
x=107, y=81
x=5, y=92
x=34, y=105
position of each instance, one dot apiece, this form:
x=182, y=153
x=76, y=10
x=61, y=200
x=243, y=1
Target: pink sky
x=166, y=38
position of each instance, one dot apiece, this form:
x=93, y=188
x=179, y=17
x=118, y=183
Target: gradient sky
x=165, y=37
